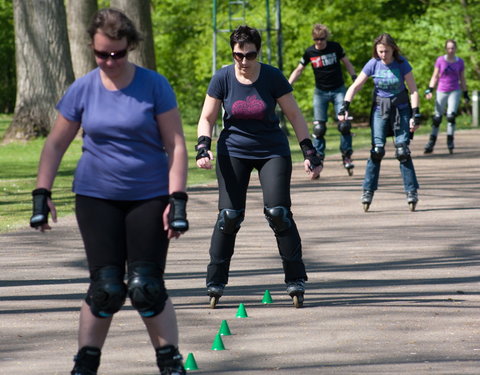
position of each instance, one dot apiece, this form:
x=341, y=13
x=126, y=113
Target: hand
x=206, y=162
x=343, y=117
x=42, y=206
x=313, y=173
x=428, y=96
x=413, y=126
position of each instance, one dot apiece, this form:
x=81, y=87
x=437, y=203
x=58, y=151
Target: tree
x=7, y=58
x=79, y=15
x=139, y=12
x=44, y=67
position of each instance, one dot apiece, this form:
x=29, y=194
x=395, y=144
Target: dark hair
x=245, y=34
x=116, y=25
x=386, y=40
x=450, y=41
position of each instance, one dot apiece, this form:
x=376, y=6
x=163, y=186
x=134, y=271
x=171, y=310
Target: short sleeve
x=165, y=98
x=216, y=87
x=71, y=105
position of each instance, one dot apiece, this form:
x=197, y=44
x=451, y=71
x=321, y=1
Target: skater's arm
x=432, y=84
x=60, y=137
x=296, y=74
x=463, y=82
x=294, y=115
x=349, y=67
x=414, y=99
x=208, y=117
x=355, y=87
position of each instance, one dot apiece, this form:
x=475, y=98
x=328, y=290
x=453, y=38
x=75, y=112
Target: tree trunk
x=79, y=15
x=471, y=37
x=139, y=12
x=44, y=67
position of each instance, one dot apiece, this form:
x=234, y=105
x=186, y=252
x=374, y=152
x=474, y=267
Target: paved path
x=390, y=291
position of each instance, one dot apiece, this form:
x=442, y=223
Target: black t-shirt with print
x=326, y=65
x=251, y=126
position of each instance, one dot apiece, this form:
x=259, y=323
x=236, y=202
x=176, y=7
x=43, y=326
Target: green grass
x=19, y=160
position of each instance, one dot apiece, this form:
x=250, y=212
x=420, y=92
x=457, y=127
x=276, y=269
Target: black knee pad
x=402, y=152
x=146, y=288
x=229, y=220
x=107, y=291
x=436, y=121
x=319, y=129
x=279, y=218
x=451, y=117
x=344, y=127
x=377, y=153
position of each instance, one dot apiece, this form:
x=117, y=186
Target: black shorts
x=121, y=232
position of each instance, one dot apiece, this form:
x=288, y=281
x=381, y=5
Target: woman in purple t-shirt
x=449, y=73
x=130, y=190
x=391, y=114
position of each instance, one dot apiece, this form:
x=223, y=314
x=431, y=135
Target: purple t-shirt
x=389, y=80
x=123, y=156
x=449, y=73
x=251, y=126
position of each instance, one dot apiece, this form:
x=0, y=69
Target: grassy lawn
x=18, y=168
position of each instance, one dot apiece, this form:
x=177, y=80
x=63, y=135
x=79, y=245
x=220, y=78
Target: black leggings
x=233, y=178
x=116, y=233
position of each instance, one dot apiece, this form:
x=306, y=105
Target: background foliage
x=183, y=33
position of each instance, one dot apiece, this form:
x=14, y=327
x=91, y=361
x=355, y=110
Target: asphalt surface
x=390, y=291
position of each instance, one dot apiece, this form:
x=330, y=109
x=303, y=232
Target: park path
x=390, y=291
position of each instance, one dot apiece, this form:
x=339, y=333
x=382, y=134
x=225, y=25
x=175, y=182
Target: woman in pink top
x=449, y=73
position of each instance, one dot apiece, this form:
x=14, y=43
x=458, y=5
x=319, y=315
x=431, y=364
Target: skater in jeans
x=449, y=74
x=252, y=139
x=325, y=57
x=130, y=190
x=392, y=114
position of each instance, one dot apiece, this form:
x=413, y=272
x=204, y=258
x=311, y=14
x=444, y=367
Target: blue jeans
x=320, y=106
x=379, y=130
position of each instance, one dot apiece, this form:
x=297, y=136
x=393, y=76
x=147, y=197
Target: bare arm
x=297, y=72
x=463, y=82
x=171, y=131
x=412, y=87
x=60, y=137
x=208, y=117
x=414, y=98
x=352, y=90
x=348, y=66
x=433, y=82
x=294, y=115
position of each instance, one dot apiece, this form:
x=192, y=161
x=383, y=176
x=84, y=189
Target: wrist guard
x=40, y=207
x=310, y=154
x=429, y=90
x=177, y=216
x=344, y=108
x=354, y=77
x=465, y=96
x=417, y=117
x=204, y=144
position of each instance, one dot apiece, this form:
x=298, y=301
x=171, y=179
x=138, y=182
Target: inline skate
x=296, y=290
x=169, y=361
x=412, y=199
x=215, y=291
x=367, y=198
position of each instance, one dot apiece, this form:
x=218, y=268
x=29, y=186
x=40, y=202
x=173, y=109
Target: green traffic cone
x=267, y=298
x=224, y=329
x=241, y=312
x=218, y=343
x=190, y=363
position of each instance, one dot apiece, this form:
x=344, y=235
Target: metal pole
x=475, y=108
x=269, y=43
x=279, y=36
x=214, y=47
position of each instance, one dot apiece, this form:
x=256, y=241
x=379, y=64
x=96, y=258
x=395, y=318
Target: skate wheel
x=450, y=150
x=366, y=206
x=350, y=171
x=297, y=301
x=213, y=302
x=412, y=206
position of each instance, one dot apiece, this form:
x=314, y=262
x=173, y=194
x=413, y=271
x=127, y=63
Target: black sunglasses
x=114, y=55
x=319, y=39
x=249, y=55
